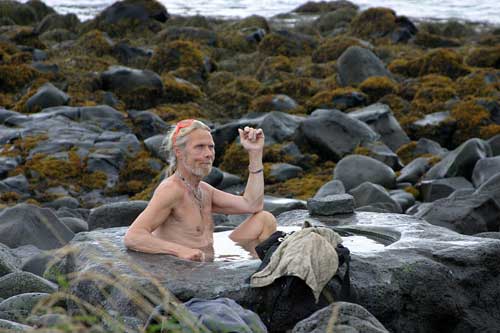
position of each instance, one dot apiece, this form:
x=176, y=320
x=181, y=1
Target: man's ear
x=178, y=153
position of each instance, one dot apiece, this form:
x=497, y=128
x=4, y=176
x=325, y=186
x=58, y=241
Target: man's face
x=199, y=153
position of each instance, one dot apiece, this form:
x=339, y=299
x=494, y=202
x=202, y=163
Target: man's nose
x=209, y=152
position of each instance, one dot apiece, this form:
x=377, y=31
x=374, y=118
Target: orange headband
x=181, y=124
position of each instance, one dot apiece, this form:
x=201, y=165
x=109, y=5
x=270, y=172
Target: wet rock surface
x=426, y=267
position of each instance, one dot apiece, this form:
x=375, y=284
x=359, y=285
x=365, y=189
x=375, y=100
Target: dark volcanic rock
x=117, y=214
x=284, y=171
x=380, y=118
x=368, y=194
x=354, y=170
x=414, y=170
x=332, y=187
x=331, y=204
x=357, y=64
x=432, y=190
x=28, y=224
x=461, y=161
x=485, y=169
x=465, y=212
x=424, y=282
x=8, y=262
x=46, y=96
x=335, y=134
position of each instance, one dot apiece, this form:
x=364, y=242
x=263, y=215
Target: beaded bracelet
x=256, y=171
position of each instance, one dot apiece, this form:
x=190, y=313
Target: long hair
x=167, y=145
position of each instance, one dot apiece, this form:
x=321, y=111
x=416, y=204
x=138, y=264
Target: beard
x=201, y=171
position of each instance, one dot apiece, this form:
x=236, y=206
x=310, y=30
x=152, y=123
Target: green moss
x=55, y=169
x=300, y=90
x=21, y=14
x=218, y=80
x=413, y=191
x=136, y=174
x=95, y=42
x=441, y=61
x=484, y=57
x=306, y=186
x=173, y=55
x=95, y=180
x=378, y=86
x=433, y=91
x=331, y=48
x=489, y=131
x=265, y=104
x=177, y=91
x=13, y=77
x=407, y=152
x=428, y=40
x=275, y=69
x=274, y=44
x=235, y=41
x=476, y=84
x=172, y=113
x=399, y=106
x=470, y=118
x=147, y=193
x=332, y=99
x=374, y=23
x=9, y=198
x=235, y=160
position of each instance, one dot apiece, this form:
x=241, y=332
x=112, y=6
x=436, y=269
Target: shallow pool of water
x=226, y=250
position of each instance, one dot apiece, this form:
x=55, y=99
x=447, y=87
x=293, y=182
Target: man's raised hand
x=251, y=138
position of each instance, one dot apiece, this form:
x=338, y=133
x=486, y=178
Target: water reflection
x=227, y=250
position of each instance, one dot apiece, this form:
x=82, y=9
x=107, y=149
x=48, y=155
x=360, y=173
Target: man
x=178, y=218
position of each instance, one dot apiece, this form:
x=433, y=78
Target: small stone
x=331, y=205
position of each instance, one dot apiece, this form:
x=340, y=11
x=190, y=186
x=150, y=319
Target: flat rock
x=428, y=276
x=331, y=204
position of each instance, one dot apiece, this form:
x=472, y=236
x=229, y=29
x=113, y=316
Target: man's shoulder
x=169, y=186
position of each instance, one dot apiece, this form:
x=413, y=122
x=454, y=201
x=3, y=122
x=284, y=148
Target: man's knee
x=268, y=220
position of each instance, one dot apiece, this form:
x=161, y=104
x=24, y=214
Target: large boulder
x=335, y=134
x=412, y=172
x=464, y=212
x=432, y=190
x=461, y=161
x=380, y=118
x=354, y=170
x=28, y=224
x=485, y=169
x=46, y=96
x=133, y=11
x=357, y=64
x=147, y=124
x=423, y=282
x=117, y=214
x=23, y=282
x=331, y=187
x=18, y=307
x=368, y=194
x=138, y=88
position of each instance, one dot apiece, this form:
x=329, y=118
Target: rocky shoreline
x=365, y=113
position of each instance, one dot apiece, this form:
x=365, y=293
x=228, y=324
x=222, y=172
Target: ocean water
x=487, y=11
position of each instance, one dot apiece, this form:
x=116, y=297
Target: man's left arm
x=252, y=201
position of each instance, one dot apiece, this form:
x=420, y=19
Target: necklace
x=196, y=192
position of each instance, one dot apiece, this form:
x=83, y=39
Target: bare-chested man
x=178, y=218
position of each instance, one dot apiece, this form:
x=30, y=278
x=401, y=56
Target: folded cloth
x=223, y=315
x=308, y=254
